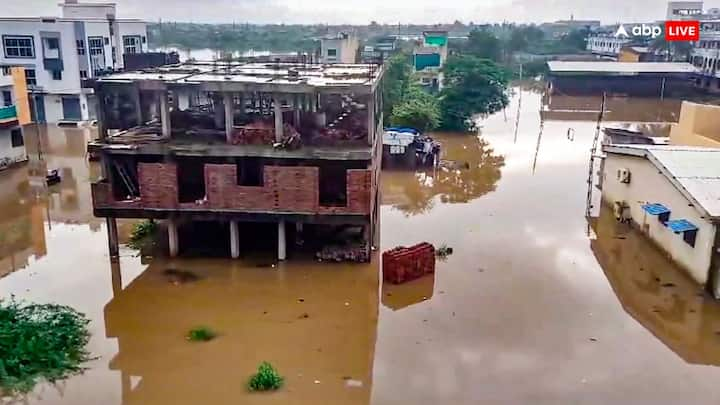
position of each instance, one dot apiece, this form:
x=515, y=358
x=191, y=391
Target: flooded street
x=533, y=307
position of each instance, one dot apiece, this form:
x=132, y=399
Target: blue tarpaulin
x=656, y=209
x=681, y=225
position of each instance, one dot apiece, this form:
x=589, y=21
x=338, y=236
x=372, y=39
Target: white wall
x=647, y=185
x=87, y=11
x=98, y=29
x=346, y=49
x=70, y=83
x=131, y=28
x=16, y=154
x=53, y=108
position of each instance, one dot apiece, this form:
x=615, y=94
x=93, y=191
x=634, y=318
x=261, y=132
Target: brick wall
x=404, y=264
x=284, y=189
x=158, y=185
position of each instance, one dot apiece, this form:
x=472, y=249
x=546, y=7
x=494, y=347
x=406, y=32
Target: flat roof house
x=672, y=193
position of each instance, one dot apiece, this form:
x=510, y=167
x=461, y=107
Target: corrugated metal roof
x=695, y=171
x=620, y=67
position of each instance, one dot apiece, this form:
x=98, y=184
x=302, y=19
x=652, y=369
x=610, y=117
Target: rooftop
x=621, y=68
x=256, y=74
x=694, y=171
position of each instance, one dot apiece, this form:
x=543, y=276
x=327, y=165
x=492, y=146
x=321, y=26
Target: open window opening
x=191, y=180
x=333, y=186
x=250, y=172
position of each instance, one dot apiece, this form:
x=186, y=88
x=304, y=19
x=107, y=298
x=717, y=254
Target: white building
x=58, y=52
x=672, y=193
x=606, y=44
x=341, y=48
x=706, y=54
x=684, y=10
x=12, y=143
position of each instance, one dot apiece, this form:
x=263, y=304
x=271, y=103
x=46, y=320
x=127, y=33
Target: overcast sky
x=364, y=11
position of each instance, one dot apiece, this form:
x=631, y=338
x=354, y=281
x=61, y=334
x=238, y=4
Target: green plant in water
x=142, y=232
x=39, y=342
x=201, y=334
x=444, y=251
x=266, y=379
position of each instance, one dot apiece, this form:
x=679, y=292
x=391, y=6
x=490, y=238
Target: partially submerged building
x=699, y=125
x=14, y=113
x=234, y=142
x=672, y=193
x=656, y=79
x=429, y=58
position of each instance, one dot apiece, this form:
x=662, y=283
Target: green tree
x=472, y=86
x=395, y=82
x=483, y=44
x=673, y=50
x=577, y=39
x=417, y=109
x=518, y=41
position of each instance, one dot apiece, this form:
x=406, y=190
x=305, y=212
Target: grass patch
x=39, y=342
x=266, y=379
x=142, y=233
x=201, y=334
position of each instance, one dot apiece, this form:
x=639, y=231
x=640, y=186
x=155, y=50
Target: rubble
x=353, y=253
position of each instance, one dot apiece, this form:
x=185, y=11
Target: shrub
x=266, y=379
x=39, y=342
x=141, y=233
x=201, y=334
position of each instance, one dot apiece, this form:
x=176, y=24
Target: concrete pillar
x=138, y=105
x=173, y=237
x=165, y=114
x=219, y=111
x=234, y=239
x=183, y=97
x=277, y=106
x=112, y=238
x=116, y=278
x=229, y=115
x=241, y=105
x=298, y=107
x=371, y=119
x=282, y=252
x=299, y=240
x=313, y=102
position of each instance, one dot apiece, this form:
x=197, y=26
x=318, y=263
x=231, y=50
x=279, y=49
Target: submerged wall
x=647, y=185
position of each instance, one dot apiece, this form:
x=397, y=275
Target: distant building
x=706, y=55
x=561, y=28
x=59, y=52
x=672, y=194
x=605, y=44
x=341, y=48
x=430, y=57
x=684, y=10
x=380, y=50
x=699, y=125
x=14, y=112
x=638, y=54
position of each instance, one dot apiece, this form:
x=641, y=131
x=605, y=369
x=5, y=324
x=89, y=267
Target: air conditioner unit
x=623, y=176
x=622, y=211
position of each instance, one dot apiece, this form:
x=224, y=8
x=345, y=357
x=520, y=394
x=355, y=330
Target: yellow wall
x=628, y=56
x=21, y=95
x=699, y=125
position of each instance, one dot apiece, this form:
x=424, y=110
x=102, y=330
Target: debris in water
x=347, y=304
x=357, y=253
x=317, y=381
x=353, y=383
x=668, y=285
x=444, y=251
x=403, y=264
x=592, y=339
x=300, y=300
x=178, y=277
x=304, y=316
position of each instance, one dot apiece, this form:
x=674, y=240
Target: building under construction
x=238, y=143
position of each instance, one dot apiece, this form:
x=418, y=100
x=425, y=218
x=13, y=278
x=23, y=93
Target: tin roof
x=624, y=68
x=694, y=171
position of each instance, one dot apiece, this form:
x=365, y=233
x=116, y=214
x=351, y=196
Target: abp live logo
x=682, y=30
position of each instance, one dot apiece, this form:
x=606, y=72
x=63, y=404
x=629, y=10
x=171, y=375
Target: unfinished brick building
x=235, y=143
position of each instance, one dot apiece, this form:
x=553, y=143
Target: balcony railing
x=8, y=113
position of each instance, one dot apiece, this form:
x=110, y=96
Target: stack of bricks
x=158, y=185
x=255, y=133
x=404, y=264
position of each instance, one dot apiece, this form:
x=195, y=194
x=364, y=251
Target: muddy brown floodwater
x=533, y=307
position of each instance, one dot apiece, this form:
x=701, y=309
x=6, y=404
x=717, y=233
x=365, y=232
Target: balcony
x=8, y=115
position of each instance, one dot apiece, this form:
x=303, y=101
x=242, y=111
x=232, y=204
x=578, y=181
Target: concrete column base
x=173, y=237
x=234, y=239
x=113, y=245
x=282, y=252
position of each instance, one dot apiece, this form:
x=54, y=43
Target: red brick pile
x=403, y=264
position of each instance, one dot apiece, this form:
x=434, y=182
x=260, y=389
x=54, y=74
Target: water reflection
x=397, y=297
x=657, y=293
x=316, y=324
x=473, y=172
